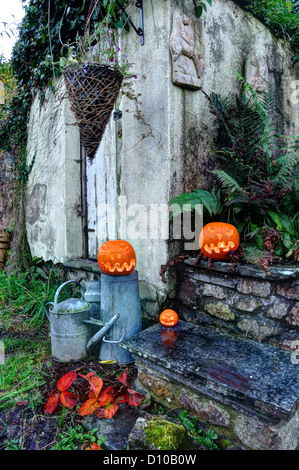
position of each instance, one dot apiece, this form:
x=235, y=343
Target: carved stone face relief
x=257, y=73
x=187, y=51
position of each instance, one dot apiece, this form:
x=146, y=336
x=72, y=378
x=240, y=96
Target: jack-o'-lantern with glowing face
x=217, y=239
x=168, y=317
x=117, y=258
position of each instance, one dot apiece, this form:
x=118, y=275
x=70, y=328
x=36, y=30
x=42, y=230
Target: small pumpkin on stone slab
x=168, y=317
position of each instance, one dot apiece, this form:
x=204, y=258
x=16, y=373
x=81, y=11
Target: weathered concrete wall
x=54, y=228
x=172, y=158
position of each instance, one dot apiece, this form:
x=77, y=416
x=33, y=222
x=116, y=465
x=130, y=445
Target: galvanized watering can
x=70, y=322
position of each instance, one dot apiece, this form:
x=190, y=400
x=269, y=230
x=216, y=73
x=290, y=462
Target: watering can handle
x=59, y=289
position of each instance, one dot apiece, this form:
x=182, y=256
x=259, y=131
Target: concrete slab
x=238, y=372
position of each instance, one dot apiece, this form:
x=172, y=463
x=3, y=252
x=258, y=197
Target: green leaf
x=276, y=220
x=289, y=5
x=198, y=11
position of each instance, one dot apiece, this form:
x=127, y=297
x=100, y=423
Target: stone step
x=256, y=378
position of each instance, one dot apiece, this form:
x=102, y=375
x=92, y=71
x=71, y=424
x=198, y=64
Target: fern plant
x=255, y=175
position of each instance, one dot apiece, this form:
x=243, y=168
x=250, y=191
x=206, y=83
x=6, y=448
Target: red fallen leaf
x=21, y=403
x=107, y=397
x=66, y=381
x=88, y=407
x=68, y=399
x=135, y=398
x=121, y=399
x=123, y=378
x=52, y=402
x=95, y=382
x=94, y=446
x=107, y=412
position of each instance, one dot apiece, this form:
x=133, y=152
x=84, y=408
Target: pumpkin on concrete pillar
x=117, y=258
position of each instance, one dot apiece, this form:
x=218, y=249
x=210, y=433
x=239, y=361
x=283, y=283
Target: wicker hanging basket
x=92, y=90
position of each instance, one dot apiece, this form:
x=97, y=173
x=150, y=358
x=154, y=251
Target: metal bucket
x=119, y=295
x=69, y=333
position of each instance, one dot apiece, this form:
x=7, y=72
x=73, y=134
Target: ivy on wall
x=280, y=16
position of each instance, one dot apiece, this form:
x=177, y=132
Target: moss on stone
x=163, y=434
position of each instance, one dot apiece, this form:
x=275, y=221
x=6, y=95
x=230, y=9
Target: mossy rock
x=163, y=434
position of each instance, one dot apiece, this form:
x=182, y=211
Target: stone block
x=159, y=387
x=188, y=294
x=257, y=435
x=278, y=308
x=250, y=286
x=206, y=410
x=256, y=329
x=210, y=290
x=220, y=310
x=288, y=291
x=247, y=304
x=293, y=318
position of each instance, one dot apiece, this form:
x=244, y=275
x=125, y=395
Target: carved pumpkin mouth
x=117, y=267
x=220, y=247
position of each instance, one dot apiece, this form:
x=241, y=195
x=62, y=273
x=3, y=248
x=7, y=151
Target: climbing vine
x=280, y=16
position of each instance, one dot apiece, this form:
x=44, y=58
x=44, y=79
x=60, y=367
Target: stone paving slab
x=252, y=375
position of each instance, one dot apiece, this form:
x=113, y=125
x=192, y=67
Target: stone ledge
x=275, y=273
x=254, y=377
x=83, y=264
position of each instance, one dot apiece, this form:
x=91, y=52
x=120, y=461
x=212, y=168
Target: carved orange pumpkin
x=168, y=317
x=117, y=258
x=217, y=239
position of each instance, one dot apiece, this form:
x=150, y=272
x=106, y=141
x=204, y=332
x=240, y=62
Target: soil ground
x=24, y=427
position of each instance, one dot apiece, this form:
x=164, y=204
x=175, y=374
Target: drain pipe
x=106, y=326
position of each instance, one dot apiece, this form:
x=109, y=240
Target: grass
x=24, y=332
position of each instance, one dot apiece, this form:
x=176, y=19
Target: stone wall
x=247, y=301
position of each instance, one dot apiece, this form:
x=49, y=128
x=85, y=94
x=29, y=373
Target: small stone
x=259, y=288
x=187, y=294
x=220, y=310
x=158, y=386
x=247, y=304
x=206, y=410
x=278, y=309
x=211, y=290
x=293, y=318
x=257, y=330
x=136, y=439
x=290, y=292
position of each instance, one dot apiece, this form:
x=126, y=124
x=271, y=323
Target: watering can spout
x=100, y=334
